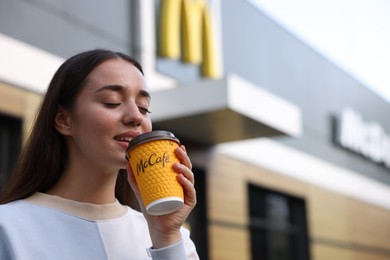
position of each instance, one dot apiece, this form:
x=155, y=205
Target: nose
x=132, y=116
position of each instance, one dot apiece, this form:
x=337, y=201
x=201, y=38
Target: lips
x=123, y=139
x=126, y=137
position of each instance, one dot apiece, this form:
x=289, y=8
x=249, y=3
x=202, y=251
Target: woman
x=66, y=196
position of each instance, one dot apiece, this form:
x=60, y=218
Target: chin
x=124, y=164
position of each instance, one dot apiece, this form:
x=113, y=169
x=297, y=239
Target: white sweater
x=49, y=227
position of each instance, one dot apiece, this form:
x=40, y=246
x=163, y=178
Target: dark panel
x=67, y=27
x=10, y=142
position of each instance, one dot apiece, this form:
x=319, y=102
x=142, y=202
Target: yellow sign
x=187, y=32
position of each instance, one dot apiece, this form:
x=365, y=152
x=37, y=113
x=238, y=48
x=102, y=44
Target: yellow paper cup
x=151, y=156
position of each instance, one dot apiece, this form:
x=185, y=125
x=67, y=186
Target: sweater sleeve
x=175, y=251
x=183, y=250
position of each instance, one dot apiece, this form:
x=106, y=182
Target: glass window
x=277, y=225
x=197, y=220
x=10, y=140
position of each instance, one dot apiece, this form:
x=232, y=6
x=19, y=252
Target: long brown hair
x=45, y=154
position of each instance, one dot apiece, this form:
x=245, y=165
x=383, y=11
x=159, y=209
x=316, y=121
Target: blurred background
x=353, y=34
x=282, y=105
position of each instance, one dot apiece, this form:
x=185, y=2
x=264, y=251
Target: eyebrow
x=116, y=88
x=119, y=88
x=144, y=93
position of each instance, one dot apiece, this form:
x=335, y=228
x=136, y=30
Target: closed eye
x=112, y=105
x=144, y=110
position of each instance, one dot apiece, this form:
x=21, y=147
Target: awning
x=209, y=112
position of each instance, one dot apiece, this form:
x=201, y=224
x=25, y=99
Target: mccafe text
x=153, y=159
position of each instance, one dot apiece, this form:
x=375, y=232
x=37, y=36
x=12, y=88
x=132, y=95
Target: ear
x=63, y=121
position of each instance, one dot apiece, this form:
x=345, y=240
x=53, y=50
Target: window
x=198, y=219
x=277, y=225
x=10, y=140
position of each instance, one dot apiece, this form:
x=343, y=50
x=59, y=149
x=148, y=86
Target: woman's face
x=110, y=110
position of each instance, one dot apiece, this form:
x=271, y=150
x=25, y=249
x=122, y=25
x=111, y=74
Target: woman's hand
x=165, y=230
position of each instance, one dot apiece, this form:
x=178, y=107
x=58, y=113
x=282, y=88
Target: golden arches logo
x=187, y=31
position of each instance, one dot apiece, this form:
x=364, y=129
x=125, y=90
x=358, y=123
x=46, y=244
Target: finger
x=185, y=171
x=181, y=154
x=189, y=190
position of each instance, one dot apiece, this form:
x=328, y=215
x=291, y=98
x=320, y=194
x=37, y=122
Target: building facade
x=291, y=153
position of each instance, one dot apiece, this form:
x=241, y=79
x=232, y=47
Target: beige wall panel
x=370, y=225
x=227, y=192
x=274, y=181
x=228, y=206
x=325, y=252
x=328, y=215
x=19, y=103
x=11, y=100
x=370, y=256
x=228, y=187
x=228, y=243
x=31, y=102
x=340, y=227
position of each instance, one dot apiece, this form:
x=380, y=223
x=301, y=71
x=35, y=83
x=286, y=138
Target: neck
x=86, y=184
